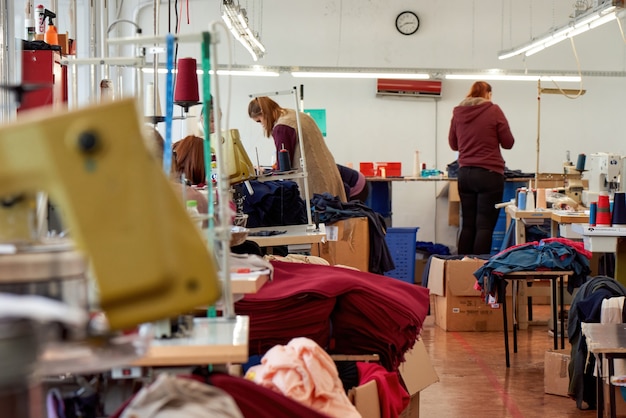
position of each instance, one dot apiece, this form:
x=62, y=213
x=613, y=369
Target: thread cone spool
x=541, y=199
x=417, y=167
x=521, y=200
x=186, y=91
x=580, y=163
x=106, y=90
x=284, y=162
x=150, y=110
x=530, y=200
x=618, y=217
x=593, y=213
x=603, y=217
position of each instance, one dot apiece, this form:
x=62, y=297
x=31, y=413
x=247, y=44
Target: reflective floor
x=474, y=380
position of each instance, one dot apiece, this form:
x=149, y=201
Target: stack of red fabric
x=345, y=311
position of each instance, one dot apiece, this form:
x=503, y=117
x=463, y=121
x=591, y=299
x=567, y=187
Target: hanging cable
x=581, y=91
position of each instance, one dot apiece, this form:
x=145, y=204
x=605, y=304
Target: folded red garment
x=366, y=307
x=392, y=395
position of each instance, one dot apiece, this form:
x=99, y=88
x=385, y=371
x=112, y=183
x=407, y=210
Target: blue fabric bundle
x=548, y=254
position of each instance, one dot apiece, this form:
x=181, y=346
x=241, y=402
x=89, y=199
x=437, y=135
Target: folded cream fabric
x=171, y=397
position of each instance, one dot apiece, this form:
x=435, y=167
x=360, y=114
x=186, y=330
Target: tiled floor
x=475, y=382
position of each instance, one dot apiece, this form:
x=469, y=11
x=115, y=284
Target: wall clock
x=407, y=23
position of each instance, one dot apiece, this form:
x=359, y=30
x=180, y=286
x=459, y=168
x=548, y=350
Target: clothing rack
x=304, y=174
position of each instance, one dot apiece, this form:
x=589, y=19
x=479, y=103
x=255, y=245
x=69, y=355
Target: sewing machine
x=124, y=217
x=573, y=182
x=603, y=170
x=149, y=260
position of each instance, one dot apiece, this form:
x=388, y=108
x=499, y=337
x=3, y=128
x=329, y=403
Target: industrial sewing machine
x=147, y=257
x=572, y=182
x=604, y=171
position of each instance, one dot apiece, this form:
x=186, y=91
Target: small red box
x=381, y=169
x=367, y=169
x=391, y=169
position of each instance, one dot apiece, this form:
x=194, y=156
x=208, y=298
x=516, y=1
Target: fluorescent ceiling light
x=329, y=74
x=246, y=73
x=236, y=19
x=592, y=19
x=511, y=77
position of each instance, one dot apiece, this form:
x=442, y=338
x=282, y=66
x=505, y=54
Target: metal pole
x=538, y=130
x=8, y=60
x=74, y=68
x=92, y=49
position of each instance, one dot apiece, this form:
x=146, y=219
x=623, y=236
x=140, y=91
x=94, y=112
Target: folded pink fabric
x=303, y=371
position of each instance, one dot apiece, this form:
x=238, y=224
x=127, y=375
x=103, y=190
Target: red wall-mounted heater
x=410, y=88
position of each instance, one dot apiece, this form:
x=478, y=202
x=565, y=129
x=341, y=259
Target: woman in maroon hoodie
x=477, y=131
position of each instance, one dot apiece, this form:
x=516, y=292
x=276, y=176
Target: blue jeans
x=479, y=189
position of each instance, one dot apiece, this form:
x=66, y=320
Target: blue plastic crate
x=401, y=244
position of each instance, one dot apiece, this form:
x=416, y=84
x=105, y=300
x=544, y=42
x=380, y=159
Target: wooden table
x=605, y=340
x=214, y=341
x=565, y=219
x=294, y=235
x=606, y=239
x=526, y=217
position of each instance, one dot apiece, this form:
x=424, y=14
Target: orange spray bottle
x=51, y=36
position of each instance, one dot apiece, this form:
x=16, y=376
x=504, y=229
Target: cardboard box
x=620, y=403
x=555, y=372
x=417, y=372
x=454, y=204
x=420, y=265
x=347, y=243
x=458, y=306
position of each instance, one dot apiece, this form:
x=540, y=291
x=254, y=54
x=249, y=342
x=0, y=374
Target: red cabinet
x=43, y=68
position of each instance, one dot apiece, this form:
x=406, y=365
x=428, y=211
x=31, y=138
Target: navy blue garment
x=432, y=248
x=273, y=203
x=544, y=255
x=586, y=307
x=330, y=209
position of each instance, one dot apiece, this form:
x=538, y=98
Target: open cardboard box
x=555, y=372
x=417, y=372
x=347, y=243
x=458, y=306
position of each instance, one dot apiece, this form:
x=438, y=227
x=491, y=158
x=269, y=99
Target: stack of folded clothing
x=343, y=310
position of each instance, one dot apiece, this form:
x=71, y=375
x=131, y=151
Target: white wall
x=463, y=34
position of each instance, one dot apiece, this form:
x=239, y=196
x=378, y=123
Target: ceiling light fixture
x=597, y=16
x=512, y=77
x=332, y=74
x=236, y=18
x=245, y=73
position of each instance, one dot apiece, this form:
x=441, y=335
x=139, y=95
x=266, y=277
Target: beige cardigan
x=323, y=174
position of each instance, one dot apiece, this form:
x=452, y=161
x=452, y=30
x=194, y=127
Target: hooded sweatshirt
x=477, y=131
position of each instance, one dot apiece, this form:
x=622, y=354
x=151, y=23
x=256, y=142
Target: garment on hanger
x=586, y=307
x=612, y=312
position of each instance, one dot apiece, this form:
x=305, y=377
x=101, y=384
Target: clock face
x=407, y=23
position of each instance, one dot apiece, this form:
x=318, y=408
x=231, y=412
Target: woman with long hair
x=281, y=124
x=478, y=130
